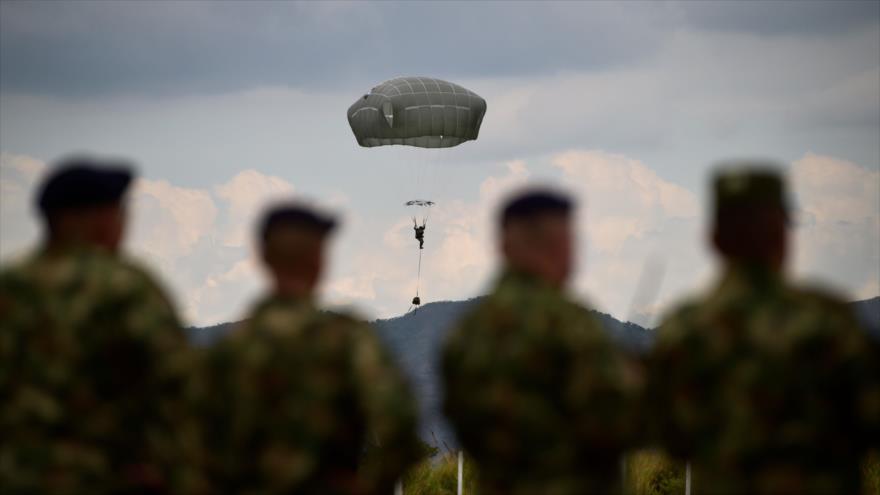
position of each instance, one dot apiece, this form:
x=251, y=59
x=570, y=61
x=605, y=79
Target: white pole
x=460, y=472
x=398, y=488
x=687, y=479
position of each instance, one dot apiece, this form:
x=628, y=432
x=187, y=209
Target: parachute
x=417, y=111
x=422, y=206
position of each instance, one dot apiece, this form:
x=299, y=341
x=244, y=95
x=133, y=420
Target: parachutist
x=420, y=232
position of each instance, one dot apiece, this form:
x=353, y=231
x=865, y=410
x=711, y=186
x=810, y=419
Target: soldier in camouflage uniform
x=92, y=356
x=765, y=386
x=536, y=391
x=301, y=400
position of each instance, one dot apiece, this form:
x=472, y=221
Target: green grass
x=647, y=473
x=871, y=474
x=652, y=473
x=439, y=476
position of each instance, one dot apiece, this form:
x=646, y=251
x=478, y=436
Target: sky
x=226, y=107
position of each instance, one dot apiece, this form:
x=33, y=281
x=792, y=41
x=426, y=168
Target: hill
x=868, y=313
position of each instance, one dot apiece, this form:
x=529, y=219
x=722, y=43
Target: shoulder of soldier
x=678, y=324
x=128, y=279
x=19, y=270
x=109, y=275
x=118, y=270
x=826, y=315
x=278, y=315
x=15, y=285
x=525, y=307
x=131, y=271
x=820, y=298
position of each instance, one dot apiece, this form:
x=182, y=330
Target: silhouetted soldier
x=301, y=400
x=766, y=387
x=536, y=391
x=92, y=356
x=420, y=233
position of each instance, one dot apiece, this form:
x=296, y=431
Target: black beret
x=296, y=215
x=535, y=202
x=744, y=184
x=83, y=182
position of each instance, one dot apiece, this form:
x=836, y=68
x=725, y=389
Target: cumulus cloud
x=641, y=236
x=837, y=237
x=625, y=198
x=172, y=219
x=245, y=195
x=634, y=221
x=18, y=176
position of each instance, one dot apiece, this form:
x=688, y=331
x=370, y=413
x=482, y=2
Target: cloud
x=642, y=244
x=781, y=18
x=245, y=196
x=636, y=223
x=18, y=176
x=90, y=48
x=227, y=292
x=837, y=237
x=93, y=48
x=172, y=219
x=625, y=199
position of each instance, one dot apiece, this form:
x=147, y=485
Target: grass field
x=648, y=473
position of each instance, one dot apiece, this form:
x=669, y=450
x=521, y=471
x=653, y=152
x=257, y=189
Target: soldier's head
x=82, y=201
x=750, y=213
x=536, y=234
x=292, y=238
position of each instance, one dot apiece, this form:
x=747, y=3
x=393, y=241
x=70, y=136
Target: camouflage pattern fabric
x=538, y=394
x=297, y=400
x=93, y=366
x=766, y=388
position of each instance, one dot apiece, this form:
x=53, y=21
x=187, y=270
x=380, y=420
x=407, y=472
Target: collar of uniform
x=70, y=249
x=513, y=277
x=274, y=298
x=751, y=276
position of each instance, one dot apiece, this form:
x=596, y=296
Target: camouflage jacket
x=93, y=365
x=538, y=394
x=765, y=387
x=298, y=400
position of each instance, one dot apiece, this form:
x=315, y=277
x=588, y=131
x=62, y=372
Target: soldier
x=536, y=391
x=302, y=400
x=419, y=232
x=765, y=386
x=93, y=359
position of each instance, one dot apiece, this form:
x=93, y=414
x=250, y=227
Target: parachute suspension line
x=416, y=302
x=419, y=274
